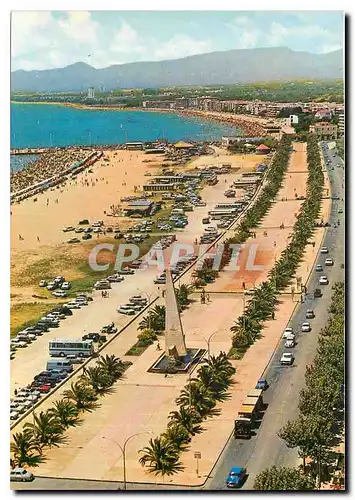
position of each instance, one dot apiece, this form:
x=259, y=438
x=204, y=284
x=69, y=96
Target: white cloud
x=27, y=30
x=249, y=35
x=181, y=46
x=79, y=26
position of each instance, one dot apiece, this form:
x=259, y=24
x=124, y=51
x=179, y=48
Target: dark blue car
x=236, y=477
x=262, y=384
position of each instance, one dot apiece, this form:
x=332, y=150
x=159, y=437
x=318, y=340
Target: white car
x=21, y=474
x=288, y=331
x=126, y=309
x=329, y=262
x=287, y=358
x=306, y=327
x=324, y=250
x=43, y=283
x=290, y=343
x=72, y=305
x=323, y=280
x=65, y=285
x=60, y=294
x=14, y=415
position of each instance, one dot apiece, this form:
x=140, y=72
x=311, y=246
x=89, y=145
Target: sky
x=53, y=39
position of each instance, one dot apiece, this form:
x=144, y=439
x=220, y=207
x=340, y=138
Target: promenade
x=142, y=401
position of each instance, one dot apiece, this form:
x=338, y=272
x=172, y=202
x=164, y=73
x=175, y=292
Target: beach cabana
x=262, y=150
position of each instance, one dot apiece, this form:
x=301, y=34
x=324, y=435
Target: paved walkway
x=142, y=401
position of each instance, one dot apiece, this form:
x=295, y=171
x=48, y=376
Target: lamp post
x=208, y=342
x=123, y=450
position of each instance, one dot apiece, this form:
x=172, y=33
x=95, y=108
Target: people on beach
x=46, y=166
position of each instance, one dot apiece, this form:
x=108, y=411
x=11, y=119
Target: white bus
x=82, y=348
x=220, y=214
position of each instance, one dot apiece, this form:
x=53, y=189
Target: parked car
x=43, y=283
x=73, y=240
x=79, y=230
x=161, y=280
x=114, y=278
x=287, y=358
x=83, y=222
x=317, y=293
x=329, y=262
x=59, y=294
x=86, y=236
x=21, y=474
x=236, y=477
x=319, y=267
x=72, y=305
x=290, y=343
x=91, y=336
x=68, y=229
x=74, y=359
x=310, y=314
x=52, y=286
x=126, y=309
x=65, y=285
x=323, y=280
x=306, y=327
x=324, y=250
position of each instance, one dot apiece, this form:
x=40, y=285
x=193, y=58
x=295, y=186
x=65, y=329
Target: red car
x=45, y=388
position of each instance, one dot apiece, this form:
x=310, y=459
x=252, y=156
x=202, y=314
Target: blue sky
x=42, y=40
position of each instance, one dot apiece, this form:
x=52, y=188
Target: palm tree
x=161, y=457
x=178, y=436
x=182, y=295
x=154, y=320
x=188, y=418
x=26, y=450
x=45, y=429
x=66, y=413
x=194, y=395
x=99, y=380
x=111, y=365
x=213, y=381
x=82, y=395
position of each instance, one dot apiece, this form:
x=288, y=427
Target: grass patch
x=24, y=315
x=236, y=353
x=136, y=350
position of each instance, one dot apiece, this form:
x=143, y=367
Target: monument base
x=167, y=364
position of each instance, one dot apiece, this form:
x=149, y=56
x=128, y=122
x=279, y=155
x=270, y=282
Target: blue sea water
x=49, y=125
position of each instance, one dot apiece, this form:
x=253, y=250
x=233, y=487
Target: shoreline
x=246, y=123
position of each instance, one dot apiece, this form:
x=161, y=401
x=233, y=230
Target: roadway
x=265, y=448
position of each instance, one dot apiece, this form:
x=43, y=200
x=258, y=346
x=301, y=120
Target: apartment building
x=324, y=130
x=341, y=125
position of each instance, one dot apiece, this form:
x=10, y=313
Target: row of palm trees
x=48, y=427
x=261, y=307
x=197, y=401
x=261, y=206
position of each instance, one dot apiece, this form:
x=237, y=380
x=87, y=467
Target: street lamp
x=123, y=450
x=208, y=341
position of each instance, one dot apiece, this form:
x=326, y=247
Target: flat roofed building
x=324, y=130
x=134, y=145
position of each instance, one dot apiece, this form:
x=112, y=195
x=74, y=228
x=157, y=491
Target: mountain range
x=227, y=67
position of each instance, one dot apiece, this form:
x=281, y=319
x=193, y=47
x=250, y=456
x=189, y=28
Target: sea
x=43, y=125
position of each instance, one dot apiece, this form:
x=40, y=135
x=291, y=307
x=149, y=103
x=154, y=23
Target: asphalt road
x=266, y=448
